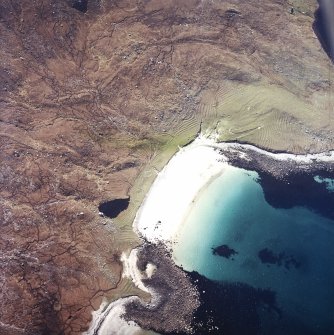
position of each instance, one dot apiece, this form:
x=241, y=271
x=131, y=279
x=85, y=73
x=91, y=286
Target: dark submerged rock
x=267, y=256
x=224, y=251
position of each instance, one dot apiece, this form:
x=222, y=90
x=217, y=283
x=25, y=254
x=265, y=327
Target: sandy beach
x=108, y=320
x=175, y=188
x=167, y=204
x=168, y=201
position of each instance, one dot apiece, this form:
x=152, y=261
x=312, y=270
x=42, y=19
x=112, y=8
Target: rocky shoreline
x=293, y=178
x=178, y=295
x=177, y=298
x=252, y=158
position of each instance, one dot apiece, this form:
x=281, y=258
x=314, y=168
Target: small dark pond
x=113, y=208
x=80, y=5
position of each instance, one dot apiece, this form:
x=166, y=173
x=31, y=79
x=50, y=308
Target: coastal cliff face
x=91, y=91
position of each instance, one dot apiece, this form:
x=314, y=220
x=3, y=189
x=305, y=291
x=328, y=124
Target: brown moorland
x=96, y=95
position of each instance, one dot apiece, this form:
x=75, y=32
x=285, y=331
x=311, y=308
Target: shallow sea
x=259, y=269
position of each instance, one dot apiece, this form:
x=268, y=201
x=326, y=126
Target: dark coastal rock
x=172, y=312
x=231, y=308
x=224, y=251
x=288, y=183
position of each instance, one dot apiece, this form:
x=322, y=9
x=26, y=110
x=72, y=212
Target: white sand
x=131, y=271
x=150, y=270
x=174, y=189
x=107, y=320
x=164, y=210
x=176, y=186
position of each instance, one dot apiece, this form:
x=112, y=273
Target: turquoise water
x=232, y=211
